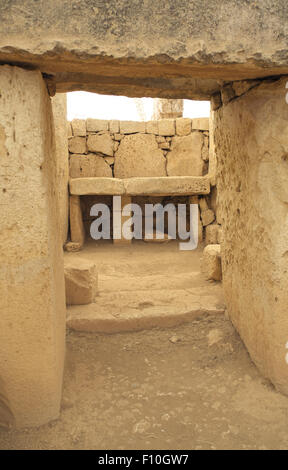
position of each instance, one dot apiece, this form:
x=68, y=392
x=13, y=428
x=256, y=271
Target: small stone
x=100, y=143
x=77, y=145
x=114, y=127
x=72, y=246
x=174, y=339
x=183, y=126
x=200, y=124
x=96, y=125
x=78, y=127
x=166, y=127
x=132, y=127
x=207, y=217
x=211, y=263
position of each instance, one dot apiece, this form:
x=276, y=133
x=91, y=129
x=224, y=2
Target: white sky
x=81, y=105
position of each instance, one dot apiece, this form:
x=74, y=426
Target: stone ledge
x=152, y=186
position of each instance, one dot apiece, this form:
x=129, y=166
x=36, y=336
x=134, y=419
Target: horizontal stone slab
x=91, y=186
x=152, y=186
x=167, y=186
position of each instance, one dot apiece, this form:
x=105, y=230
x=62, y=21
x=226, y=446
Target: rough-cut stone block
x=77, y=230
x=211, y=234
x=96, y=125
x=81, y=281
x=72, y=246
x=114, y=127
x=203, y=204
x=102, y=186
x=166, y=127
x=211, y=262
x=200, y=124
x=139, y=155
x=132, y=127
x=100, y=143
x=32, y=300
x=177, y=186
x=183, y=126
x=207, y=217
x=185, y=157
x=77, y=145
x=78, y=127
x=152, y=127
x=88, y=166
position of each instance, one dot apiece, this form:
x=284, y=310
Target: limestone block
x=242, y=86
x=59, y=108
x=185, y=157
x=79, y=127
x=183, y=126
x=252, y=196
x=132, y=127
x=101, y=143
x=203, y=204
x=77, y=230
x=81, y=281
x=77, y=145
x=101, y=186
x=96, y=125
x=205, y=149
x=164, y=146
x=114, y=127
x=152, y=127
x=32, y=296
x=163, y=186
x=211, y=262
x=72, y=246
x=166, y=127
x=138, y=155
x=88, y=166
x=200, y=124
x=207, y=217
x=211, y=234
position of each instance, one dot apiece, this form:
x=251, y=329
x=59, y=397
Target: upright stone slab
x=59, y=108
x=32, y=300
x=252, y=153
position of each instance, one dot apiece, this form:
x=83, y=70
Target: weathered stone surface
x=69, y=128
x=131, y=127
x=211, y=234
x=81, y=281
x=107, y=48
x=72, y=246
x=177, y=186
x=138, y=155
x=77, y=145
x=185, y=156
x=252, y=199
x=227, y=93
x=207, y=217
x=211, y=262
x=114, y=127
x=78, y=127
x=205, y=148
x=166, y=127
x=59, y=108
x=216, y=101
x=96, y=125
x=100, y=143
x=77, y=230
x=200, y=124
x=90, y=186
x=203, y=204
x=183, y=126
x=152, y=127
x=89, y=165
x=32, y=301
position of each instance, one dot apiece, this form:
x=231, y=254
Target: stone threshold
x=99, y=317
x=152, y=186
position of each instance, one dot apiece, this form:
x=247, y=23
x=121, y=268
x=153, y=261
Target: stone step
x=131, y=311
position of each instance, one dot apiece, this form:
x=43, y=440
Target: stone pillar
x=59, y=108
x=119, y=220
x=251, y=138
x=77, y=229
x=32, y=293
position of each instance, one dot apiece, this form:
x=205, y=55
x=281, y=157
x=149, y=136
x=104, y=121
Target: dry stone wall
x=127, y=149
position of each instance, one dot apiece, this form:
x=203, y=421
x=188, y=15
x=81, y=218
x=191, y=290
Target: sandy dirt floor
x=193, y=387
x=188, y=387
